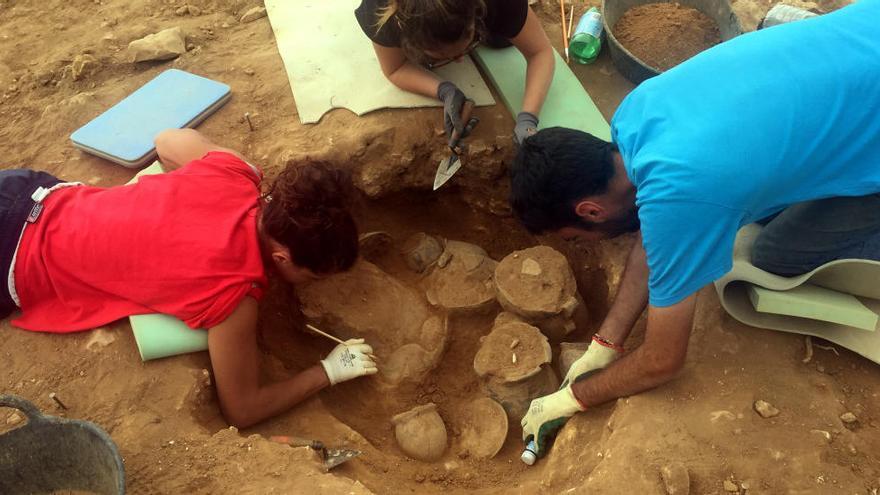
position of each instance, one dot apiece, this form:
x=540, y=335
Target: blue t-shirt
x=743, y=130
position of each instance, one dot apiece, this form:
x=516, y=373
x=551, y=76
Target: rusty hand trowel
x=330, y=457
x=450, y=165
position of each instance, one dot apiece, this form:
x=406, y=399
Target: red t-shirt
x=183, y=243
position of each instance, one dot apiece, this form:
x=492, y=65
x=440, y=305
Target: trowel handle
x=296, y=441
x=466, y=111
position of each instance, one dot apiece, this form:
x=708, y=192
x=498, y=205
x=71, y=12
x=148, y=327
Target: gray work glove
x=526, y=125
x=453, y=99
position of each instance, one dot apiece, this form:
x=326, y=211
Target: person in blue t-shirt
x=779, y=126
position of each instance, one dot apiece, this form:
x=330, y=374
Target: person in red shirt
x=193, y=243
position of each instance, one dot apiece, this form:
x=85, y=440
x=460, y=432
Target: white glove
x=596, y=357
x=546, y=416
x=349, y=360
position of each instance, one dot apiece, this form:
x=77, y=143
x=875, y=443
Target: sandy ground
x=163, y=416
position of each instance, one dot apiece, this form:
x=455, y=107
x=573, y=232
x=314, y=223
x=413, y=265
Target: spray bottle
x=529, y=455
x=587, y=38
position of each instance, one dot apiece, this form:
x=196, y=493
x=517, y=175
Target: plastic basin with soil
x=638, y=70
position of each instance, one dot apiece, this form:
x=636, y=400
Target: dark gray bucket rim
x=645, y=68
x=35, y=417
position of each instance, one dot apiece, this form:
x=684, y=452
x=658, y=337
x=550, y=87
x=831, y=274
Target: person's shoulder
x=367, y=15
x=227, y=161
x=506, y=17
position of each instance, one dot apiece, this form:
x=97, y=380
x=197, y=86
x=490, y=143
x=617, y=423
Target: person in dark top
x=413, y=36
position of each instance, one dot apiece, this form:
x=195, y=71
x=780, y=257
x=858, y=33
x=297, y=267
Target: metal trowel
x=331, y=457
x=450, y=165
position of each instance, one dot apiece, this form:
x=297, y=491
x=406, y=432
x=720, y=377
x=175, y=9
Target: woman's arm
x=404, y=74
x=235, y=359
x=533, y=43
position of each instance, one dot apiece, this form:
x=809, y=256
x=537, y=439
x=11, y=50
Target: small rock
x=730, y=486
x=100, y=338
x=249, y=72
x=183, y=10
x=848, y=418
x=164, y=45
x=530, y=267
x=14, y=419
x=826, y=437
x=253, y=14
x=765, y=409
x=193, y=11
x=676, y=479
x=82, y=64
x=715, y=416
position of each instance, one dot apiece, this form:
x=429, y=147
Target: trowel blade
x=448, y=167
x=335, y=457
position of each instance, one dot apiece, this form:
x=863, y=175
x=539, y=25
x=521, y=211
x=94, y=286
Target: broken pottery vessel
x=569, y=352
x=483, y=425
x=421, y=433
x=538, y=285
x=513, y=361
x=420, y=251
x=462, y=280
x=407, y=335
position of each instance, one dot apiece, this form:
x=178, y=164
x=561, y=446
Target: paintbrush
x=334, y=339
x=570, y=18
x=564, y=33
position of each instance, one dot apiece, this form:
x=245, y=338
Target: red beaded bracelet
x=607, y=343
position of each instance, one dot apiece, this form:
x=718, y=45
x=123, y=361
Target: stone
x=164, y=45
x=483, y=426
x=81, y=66
x=100, y=338
x=420, y=251
x=421, y=433
x=193, y=10
x=848, y=418
x=538, y=285
x=569, y=352
x=16, y=418
x=407, y=335
x=493, y=359
x=823, y=435
x=730, y=486
x=253, y=14
x=464, y=284
x=765, y=409
x=675, y=479
x=182, y=10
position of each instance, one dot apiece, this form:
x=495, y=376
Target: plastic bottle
x=781, y=14
x=587, y=38
x=529, y=456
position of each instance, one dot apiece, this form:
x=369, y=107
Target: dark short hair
x=308, y=210
x=552, y=171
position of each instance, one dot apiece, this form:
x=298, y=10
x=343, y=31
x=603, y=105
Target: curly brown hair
x=307, y=209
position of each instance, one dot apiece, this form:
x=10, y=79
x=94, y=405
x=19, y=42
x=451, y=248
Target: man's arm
x=653, y=363
x=632, y=296
x=235, y=359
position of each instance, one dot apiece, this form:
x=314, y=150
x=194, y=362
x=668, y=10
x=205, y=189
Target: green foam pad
x=159, y=336
x=847, y=276
x=815, y=303
x=567, y=105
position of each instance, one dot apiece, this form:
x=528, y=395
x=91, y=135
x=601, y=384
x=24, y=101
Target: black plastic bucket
x=50, y=454
x=628, y=64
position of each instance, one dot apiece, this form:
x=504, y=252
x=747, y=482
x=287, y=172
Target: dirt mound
x=663, y=35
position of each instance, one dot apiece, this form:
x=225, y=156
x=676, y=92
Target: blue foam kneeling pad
x=172, y=100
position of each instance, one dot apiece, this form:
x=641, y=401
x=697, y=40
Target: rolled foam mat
x=859, y=278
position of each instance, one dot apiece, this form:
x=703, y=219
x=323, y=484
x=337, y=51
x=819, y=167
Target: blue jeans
x=807, y=235
x=16, y=187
